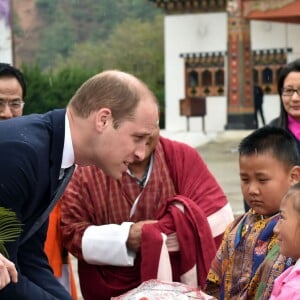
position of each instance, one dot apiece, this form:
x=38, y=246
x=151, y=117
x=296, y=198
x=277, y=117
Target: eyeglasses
x=290, y=92
x=14, y=105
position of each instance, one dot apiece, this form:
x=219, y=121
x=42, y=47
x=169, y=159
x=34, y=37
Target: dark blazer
x=31, y=150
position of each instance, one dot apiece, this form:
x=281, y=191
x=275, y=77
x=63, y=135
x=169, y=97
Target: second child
x=287, y=285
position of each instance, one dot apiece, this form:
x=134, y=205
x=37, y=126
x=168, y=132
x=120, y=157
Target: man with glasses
x=12, y=92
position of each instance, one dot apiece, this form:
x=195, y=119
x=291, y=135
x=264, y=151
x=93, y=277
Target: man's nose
x=6, y=112
x=140, y=152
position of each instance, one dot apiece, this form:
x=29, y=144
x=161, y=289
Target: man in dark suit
x=106, y=123
x=12, y=94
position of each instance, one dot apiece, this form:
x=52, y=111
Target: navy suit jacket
x=31, y=150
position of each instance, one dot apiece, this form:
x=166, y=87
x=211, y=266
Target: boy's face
x=288, y=228
x=264, y=182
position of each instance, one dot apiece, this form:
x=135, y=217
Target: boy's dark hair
x=271, y=139
x=6, y=70
x=294, y=190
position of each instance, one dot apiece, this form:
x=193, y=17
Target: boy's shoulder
x=239, y=219
x=249, y=220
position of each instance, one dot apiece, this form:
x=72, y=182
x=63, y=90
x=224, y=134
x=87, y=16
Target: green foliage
x=49, y=90
x=84, y=56
x=89, y=20
x=82, y=38
x=134, y=46
x=10, y=228
x=57, y=40
x=46, y=7
x=137, y=47
x=94, y=20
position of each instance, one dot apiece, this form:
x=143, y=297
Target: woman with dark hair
x=288, y=87
x=289, y=91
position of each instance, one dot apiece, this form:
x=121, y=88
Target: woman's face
x=291, y=103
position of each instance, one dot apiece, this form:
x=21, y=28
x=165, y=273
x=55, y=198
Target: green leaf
x=10, y=228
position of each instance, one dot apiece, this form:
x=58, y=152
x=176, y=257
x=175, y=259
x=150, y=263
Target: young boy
x=248, y=259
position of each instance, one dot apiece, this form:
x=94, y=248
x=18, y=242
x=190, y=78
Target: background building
x=6, y=46
x=217, y=49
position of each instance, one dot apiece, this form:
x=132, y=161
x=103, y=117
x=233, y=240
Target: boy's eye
x=263, y=180
x=244, y=180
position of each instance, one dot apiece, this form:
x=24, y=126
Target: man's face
x=118, y=147
x=151, y=144
x=11, y=98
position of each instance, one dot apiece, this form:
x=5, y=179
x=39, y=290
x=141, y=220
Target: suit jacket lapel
x=57, y=119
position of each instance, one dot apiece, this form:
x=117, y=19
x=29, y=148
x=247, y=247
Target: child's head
x=288, y=227
x=268, y=161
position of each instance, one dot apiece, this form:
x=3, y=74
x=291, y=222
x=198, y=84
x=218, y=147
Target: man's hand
x=135, y=233
x=8, y=272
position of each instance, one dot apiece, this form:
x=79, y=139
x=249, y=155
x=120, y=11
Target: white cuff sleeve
x=219, y=220
x=106, y=245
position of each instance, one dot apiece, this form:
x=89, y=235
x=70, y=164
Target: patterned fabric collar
x=142, y=182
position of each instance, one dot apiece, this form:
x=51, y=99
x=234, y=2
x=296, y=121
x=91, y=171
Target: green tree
x=57, y=40
x=48, y=90
x=83, y=56
x=137, y=47
x=71, y=22
x=134, y=46
x=82, y=38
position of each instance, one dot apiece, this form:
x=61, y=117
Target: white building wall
x=191, y=33
x=5, y=42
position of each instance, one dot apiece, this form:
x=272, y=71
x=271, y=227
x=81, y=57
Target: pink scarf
x=294, y=127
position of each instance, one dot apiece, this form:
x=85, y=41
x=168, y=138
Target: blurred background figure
x=258, y=105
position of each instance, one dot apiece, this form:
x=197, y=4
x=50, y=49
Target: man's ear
x=103, y=116
x=295, y=174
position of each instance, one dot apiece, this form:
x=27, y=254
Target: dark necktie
x=68, y=172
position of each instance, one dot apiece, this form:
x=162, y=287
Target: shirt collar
x=68, y=151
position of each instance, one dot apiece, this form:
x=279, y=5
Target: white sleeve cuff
x=219, y=220
x=106, y=245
